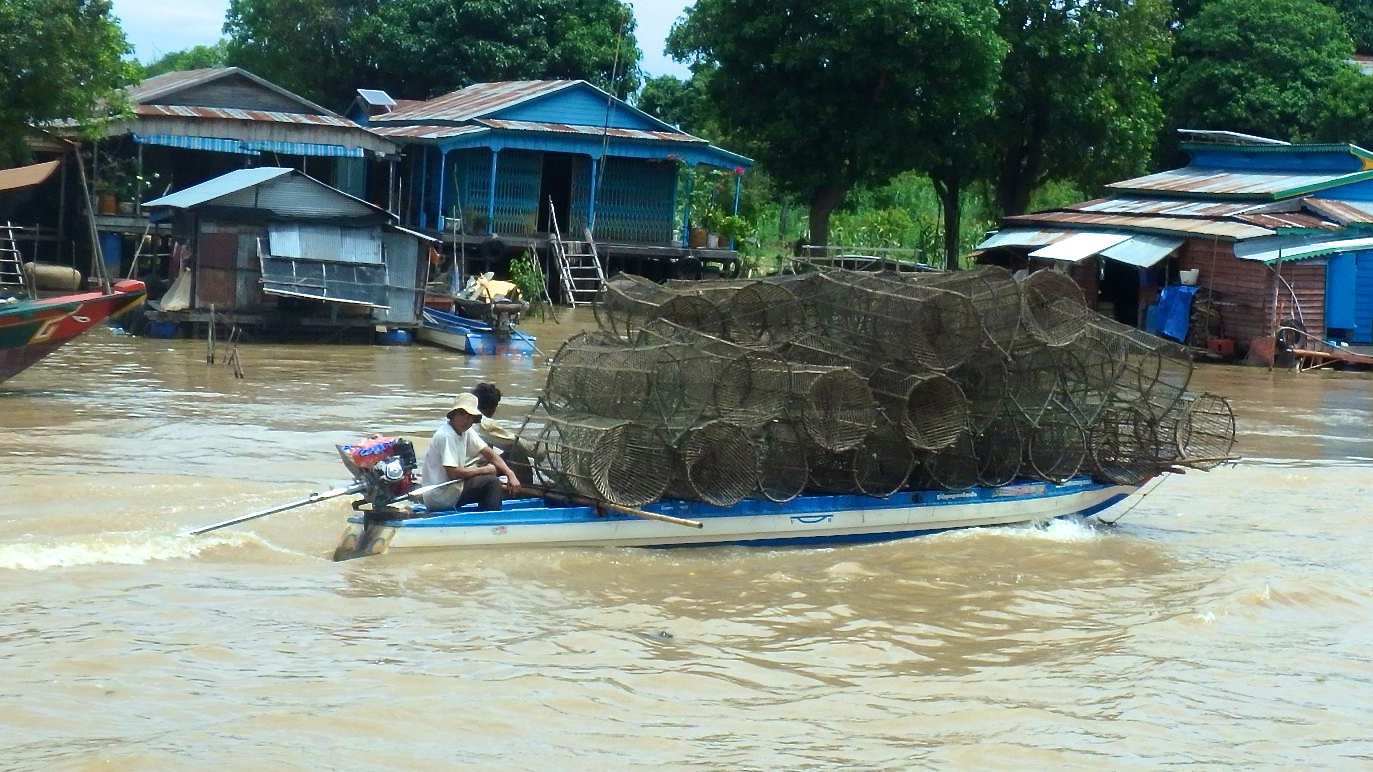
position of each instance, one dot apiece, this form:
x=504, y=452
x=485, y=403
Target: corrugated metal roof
x=1289, y=220
x=171, y=82
x=219, y=186
x=567, y=128
x=159, y=86
x=1344, y=212
x=478, y=99
x=1221, y=182
x=1183, y=226
x=1142, y=251
x=1285, y=249
x=426, y=132
x=26, y=176
x=1079, y=246
x=228, y=114
x=1165, y=206
x=1022, y=237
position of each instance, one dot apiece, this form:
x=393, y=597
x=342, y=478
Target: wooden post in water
x=210, y=338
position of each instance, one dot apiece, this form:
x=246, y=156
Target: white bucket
x=1189, y=278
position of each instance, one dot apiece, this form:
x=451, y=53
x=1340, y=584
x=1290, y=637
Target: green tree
x=1342, y=110
x=683, y=103
x=63, y=60
x=195, y=58
x=1358, y=21
x=1076, y=100
x=829, y=95
x=1257, y=68
x=324, y=49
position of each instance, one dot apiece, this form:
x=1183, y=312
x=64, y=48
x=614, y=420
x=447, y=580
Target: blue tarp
x=1175, y=311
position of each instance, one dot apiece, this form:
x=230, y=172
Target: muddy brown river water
x=1225, y=623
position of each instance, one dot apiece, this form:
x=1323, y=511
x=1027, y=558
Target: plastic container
x=163, y=329
x=1189, y=278
x=394, y=338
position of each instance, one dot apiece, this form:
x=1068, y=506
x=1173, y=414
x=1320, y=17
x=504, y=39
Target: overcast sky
x=157, y=27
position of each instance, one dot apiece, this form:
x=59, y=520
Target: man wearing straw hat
x=458, y=453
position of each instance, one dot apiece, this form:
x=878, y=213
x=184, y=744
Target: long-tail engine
x=384, y=466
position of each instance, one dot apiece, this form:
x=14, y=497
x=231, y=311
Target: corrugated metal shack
x=482, y=165
x=1276, y=233
x=192, y=126
x=274, y=249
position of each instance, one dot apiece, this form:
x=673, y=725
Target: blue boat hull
x=472, y=337
x=805, y=521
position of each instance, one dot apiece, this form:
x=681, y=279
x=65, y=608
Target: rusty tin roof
x=476, y=100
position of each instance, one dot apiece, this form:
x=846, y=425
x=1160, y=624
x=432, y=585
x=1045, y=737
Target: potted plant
x=732, y=228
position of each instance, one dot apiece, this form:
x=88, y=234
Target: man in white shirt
x=457, y=452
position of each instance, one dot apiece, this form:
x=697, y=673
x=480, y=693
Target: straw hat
x=467, y=403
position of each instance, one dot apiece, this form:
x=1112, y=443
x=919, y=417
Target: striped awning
x=213, y=144
x=250, y=147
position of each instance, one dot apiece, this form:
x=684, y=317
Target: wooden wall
x=1247, y=289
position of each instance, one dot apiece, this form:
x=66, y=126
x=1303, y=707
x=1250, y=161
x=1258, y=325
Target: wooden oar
x=313, y=498
x=645, y=514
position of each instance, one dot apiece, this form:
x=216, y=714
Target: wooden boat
x=30, y=329
x=805, y=521
x=471, y=336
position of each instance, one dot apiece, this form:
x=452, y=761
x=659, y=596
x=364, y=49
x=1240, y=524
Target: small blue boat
x=470, y=336
x=804, y=521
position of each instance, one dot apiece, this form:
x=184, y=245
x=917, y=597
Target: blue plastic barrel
x=112, y=247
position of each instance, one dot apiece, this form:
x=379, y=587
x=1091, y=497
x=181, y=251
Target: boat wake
x=130, y=548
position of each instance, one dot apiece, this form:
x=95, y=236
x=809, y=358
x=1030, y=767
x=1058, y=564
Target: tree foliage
x=62, y=60
x=1257, y=68
x=1358, y=22
x=1076, y=100
x=683, y=103
x=416, y=49
x=832, y=94
x=195, y=58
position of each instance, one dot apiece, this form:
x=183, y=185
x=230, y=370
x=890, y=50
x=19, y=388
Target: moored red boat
x=30, y=329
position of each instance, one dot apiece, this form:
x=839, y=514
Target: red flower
x=739, y=171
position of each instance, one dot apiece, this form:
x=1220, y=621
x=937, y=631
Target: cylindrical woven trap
x=870, y=317
x=627, y=303
x=765, y=314
x=833, y=404
x=877, y=467
x=783, y=470
x=954, y=468
x=667, y=382
x=984, y=381
x=716, y=463
x=928, y=407
x=621, y=462
x=997, y=446
x=1056, y=447
x=1119, y=446
x=1053, y=310
x=1033, y=380
x=993, y=292
x=1206, y=435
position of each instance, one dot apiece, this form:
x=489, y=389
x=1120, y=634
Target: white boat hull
x=809, y=520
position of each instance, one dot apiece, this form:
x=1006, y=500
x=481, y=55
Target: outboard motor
x=385, y=466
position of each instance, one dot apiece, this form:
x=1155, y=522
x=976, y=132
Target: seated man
x=457, y=452
x=498, y=436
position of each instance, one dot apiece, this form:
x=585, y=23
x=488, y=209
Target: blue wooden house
x=1277, y=234
x=509, y=165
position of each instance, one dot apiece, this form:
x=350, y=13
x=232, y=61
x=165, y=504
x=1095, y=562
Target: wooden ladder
x=12, y=262
x=579, y=265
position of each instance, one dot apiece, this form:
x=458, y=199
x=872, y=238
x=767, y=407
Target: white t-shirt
x=448, y=448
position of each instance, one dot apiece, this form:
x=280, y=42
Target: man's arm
x=492, y=457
